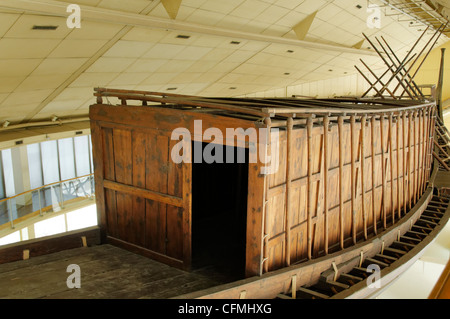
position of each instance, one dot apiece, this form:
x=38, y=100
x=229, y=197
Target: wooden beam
x=49, y=244
x=326, y=128
x=353, y=148
x=391, y=164
x=341, y=180
x=383, y=172
x=144, y=193
x=309, y=186
x=372, y=128
x=363, y=168
x=289, y=161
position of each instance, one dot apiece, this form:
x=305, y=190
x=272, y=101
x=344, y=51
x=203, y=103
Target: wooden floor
x=106, y=272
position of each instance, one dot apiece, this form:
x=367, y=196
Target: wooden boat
x=292, y=197
x=346, y=211
x=353, y=187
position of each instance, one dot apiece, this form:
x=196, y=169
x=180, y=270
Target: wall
x=429, y=72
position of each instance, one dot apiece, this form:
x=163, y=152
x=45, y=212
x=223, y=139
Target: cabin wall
x=144, y=199
x=337, y=196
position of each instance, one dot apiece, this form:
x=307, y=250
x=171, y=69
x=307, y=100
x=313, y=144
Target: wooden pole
x=290, y=126
x=422, y=150
x=414, y=157
x=391, y=163
x=440, y=85
x=363, y=182
x=372, y=128
x=326, y=123
x=309, y=125
x=341, y=180
x=409, y=160
x=265, y=259
x=427, y=136
x=399, y=207
x=405, y=183
x=353, y=175
x=383, y=170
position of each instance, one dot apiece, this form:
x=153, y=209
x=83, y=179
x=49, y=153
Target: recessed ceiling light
x=171, y=89
x=286, y=73
x=235, y=42
x=182, y=36
x=45, y=27
x=290, y=51
x=330, y=70
x=233, y=88
x=359, y=6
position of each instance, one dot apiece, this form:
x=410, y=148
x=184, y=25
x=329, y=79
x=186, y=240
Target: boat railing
x=52, y=197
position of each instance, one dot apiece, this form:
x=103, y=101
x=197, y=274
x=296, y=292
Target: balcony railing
x=47, y=198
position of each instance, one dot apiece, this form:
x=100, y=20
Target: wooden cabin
x=341, y=171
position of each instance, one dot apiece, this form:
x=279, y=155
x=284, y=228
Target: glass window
x=90, y=151
x=50, y=163
x=8, y=175
x=35, y=165
x=66, y=158
x=50, y=226
x=82, y=155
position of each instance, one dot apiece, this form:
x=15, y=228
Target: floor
x=106, y=272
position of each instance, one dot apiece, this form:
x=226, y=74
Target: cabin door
x=219, y=211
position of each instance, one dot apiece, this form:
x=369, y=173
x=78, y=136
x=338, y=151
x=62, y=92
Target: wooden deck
x=106, y=271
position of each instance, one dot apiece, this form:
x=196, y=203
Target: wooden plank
x=308, y=293
x=341, y=181
x=144, y=193
x=107, y=159
x=156, y=182
x=399, y=197
x=416, y=154
x=310, y=197
x=326, y=129
x=375, y=261
x=50, y=244
x=288, y=206
x=138, y=140
x=350, y=278
x=123, y=173
x=383, y=171
x=257, y=242
x=353, y=148
x=273, y=283
x=374, y=217
x=441, y=289
x=405, y=183
x=386, y=257
x=421, y=148
x=391, y=164
x=410, y=155
x=363, y=178
x=97, y=149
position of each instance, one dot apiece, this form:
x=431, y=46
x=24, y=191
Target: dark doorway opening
x=219, y=212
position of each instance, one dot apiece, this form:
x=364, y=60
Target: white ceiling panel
x=53, y=72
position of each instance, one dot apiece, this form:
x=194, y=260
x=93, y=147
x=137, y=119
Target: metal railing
x=47, y=198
